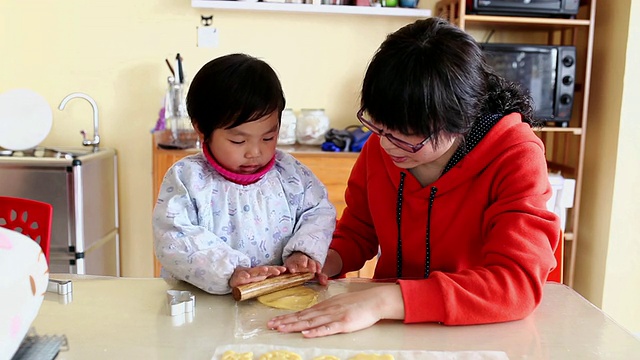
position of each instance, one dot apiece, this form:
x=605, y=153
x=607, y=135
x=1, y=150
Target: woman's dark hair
x=232, y=90
x=431, y=77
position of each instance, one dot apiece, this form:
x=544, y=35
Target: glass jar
x=287, y=134
x=177, y=119
x=311, y=126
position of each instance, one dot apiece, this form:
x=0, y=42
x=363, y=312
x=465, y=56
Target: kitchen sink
x=81, y=185
x=50, y=152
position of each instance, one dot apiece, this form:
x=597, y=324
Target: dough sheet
x=295, y=298
x=252, y=315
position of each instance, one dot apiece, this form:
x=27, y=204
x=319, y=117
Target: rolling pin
x=267, y=286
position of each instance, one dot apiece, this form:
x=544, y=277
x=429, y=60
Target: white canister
x=287, y=134
x=312, y=125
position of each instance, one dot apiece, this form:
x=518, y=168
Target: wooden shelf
x=311, y=8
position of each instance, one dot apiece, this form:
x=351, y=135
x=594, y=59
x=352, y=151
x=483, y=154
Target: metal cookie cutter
x=63, y=288
x=181, y=302
x=60, y=287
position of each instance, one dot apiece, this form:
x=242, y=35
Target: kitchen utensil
x=178, y=133
x=45, y=347
x=60, y=287
x=267, y=286
x=25, y=119
x=180, y=302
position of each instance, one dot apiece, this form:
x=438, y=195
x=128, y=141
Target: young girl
x=240, y=211
x=452, y=190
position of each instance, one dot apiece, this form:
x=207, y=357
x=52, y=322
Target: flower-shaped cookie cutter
x=180, y=302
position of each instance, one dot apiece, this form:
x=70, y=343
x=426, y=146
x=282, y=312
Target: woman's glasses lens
x=401, y=144
x=397, y=142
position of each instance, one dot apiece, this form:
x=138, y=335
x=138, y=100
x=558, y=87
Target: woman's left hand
x=344, y=313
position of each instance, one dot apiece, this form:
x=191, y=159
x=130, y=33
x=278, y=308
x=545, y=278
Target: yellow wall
x=608, y=253
x=115, y=50
x=622, y=289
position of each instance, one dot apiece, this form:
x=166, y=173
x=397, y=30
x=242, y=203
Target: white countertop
x=128, y=318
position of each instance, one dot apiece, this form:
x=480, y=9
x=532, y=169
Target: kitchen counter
x=128, y=318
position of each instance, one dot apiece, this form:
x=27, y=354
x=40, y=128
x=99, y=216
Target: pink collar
x=242, y=179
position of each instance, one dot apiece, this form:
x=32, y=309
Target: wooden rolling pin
x=267, y=286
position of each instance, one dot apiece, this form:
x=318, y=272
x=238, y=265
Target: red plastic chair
x=29, y=217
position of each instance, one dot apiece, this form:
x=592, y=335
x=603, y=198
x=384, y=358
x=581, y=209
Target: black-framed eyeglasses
x=401, y=144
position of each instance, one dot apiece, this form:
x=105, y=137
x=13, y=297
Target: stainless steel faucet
x=96, y=138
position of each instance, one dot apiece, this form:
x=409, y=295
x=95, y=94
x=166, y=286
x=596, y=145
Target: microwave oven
x=547, y=71
x=550, y=8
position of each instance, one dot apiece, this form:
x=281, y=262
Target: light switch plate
x=207, y=37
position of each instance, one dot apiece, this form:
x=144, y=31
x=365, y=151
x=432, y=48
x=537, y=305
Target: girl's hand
x=299, y=262
x=344, y=313
x=242, y=276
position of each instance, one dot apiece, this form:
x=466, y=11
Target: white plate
x=25, y=119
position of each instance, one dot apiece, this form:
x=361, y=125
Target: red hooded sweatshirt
x=481, y=234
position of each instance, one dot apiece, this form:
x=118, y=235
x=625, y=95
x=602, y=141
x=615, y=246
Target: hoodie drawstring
x=427, y=263
x=398, y=218
x=432, y=197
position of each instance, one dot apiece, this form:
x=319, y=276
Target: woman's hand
x=299, y=262
x=344, y=313
x=242, y=276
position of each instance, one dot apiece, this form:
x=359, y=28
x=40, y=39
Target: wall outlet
x=207, y=37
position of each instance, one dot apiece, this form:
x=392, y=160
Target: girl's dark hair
x=431, y=77
x=232, y=90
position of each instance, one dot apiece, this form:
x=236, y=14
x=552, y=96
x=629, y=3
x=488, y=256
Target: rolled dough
x=296, y=298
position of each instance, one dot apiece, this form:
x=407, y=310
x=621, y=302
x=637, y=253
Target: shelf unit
x=565, y=146
x=310, y=8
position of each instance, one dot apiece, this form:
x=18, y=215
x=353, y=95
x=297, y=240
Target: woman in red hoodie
x=450, y=193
